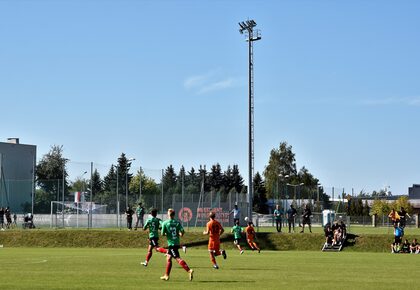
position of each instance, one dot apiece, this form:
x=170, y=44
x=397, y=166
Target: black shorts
x=306, y=221
x=237, y=241
x=173, y=251
x=154, y=242
x=397, y=240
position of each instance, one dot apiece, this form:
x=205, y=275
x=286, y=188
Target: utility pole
x=248, y=28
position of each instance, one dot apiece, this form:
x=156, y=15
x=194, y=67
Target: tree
x=97, y=184
x=260, y=197
x=366, y=209
x=380, y=208
x=169, y=180
x=281, y=162
x=110, y=180
x=192, y=181
x=238, y=181
x=108, y=194
x=149, y=188
x=49, y=178
x=216, y=177
x=403, y=202
x=124, y=176
x=51, y=168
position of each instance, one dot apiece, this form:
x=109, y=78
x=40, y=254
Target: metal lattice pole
x=248, y=28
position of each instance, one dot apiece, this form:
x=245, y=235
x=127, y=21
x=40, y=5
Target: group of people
x=6, y=213
x=336, y=233
x=399, y=220
x=139, y=212
x=172, y=229
x=291, y=217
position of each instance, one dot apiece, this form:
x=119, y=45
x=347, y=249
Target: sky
x=166, y=82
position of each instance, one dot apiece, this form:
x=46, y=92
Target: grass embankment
x=138, y=239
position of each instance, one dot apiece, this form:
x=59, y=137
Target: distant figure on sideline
x=129, y=215
x=278, y=214
x=291, y=214
x=236, y=214
x=139, y=216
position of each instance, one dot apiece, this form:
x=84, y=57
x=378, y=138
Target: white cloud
x=216, y=86
x=209, y=82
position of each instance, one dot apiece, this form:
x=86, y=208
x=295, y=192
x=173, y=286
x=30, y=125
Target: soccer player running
x=237, y=234
x=173, y=229
x=154, y=224
x=214, y=229
x=251, y=236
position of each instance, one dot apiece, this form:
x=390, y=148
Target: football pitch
x=70, y=268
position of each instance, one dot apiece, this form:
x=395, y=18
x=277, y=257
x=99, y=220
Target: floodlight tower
x=248, y=28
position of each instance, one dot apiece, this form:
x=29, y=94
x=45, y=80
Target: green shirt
x=153, y=224
x=237, y=232
x=277, y=214
x=140, y=211
x=171, y=229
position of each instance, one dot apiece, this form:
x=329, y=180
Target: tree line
x=279, y=180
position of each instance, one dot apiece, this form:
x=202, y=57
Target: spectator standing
x=291, y=214
x=14, y=220
x=395, y=217
x=278, y=214
x=2, y=218
x=129, y=215
x=236, y=214
x=306, y=218
x=139, y=216
x=8, y=215
x=403, y=217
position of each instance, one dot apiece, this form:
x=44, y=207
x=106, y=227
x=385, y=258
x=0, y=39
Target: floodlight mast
x=248, y=28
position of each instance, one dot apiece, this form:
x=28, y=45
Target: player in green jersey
x=237, y=235
x=154, y=225
x=173, y=230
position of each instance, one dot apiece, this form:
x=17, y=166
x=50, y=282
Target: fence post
x=417, y=220
x=374, y=220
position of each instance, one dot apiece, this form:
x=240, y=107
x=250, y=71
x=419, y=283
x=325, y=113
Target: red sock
x=161, y=250
x=213, y=259
x=183, y=264
x=149, y=255
x=168, y=266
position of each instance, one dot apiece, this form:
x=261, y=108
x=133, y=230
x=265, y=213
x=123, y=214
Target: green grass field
x=75, y=268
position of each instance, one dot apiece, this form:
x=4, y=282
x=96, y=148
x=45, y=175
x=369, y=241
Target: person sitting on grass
x=405, y=248
x=398, y=234
x=338, y=233
x=414, y=247
x=329, y=234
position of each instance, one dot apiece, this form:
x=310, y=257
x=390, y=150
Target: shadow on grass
x=350, y=240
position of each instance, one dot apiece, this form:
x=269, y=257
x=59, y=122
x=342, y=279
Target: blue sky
x=166, y=82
